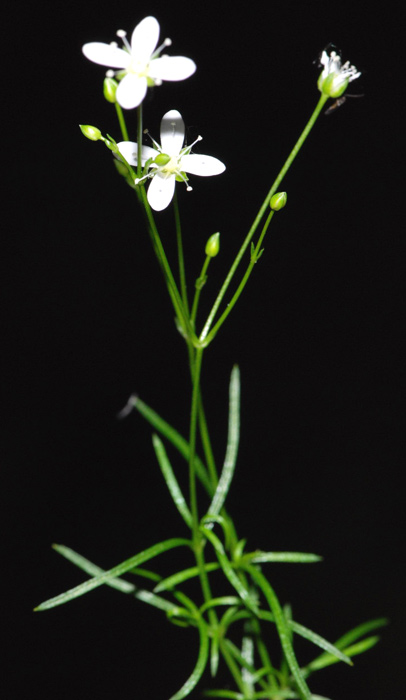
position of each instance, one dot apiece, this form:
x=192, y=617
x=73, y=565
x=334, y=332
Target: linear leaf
x=232, y=444
x=118, y=570
x=180, y=576
x=229, y=572
x=347, y=638
x=197, y=672
x=283, y=632
x=360, y=631
x=157, y=602
x=92, y=569
x=287, y=557
x=319, y=641
x=174, y=438
x=214, y=651
x=221, y=600
x=171, y=481
x=354, y=649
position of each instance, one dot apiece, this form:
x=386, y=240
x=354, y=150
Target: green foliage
x=251, y=601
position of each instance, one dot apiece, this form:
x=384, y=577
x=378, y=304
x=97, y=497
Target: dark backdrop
x=317, y=336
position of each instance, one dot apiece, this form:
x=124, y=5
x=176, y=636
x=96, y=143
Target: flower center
x=171, y=167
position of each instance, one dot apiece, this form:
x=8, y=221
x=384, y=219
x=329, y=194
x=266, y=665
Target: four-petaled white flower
x=169, y=161
x=139, y=62
x=335, y=77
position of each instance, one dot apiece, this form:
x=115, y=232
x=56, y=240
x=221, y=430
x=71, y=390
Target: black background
x=318, y=336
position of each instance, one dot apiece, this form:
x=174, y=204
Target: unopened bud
x=278, y=201
x=213, y=245
x=109, y=89
x=91, y=132
x=162, y=159
x=334, y=85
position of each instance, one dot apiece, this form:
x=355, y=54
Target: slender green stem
x=197, y=538
x=121, y=121
x=254, y=259
x=181, y=259
x=192, y=440
x=177, y=302
x=207, y=448
x=261, y=213
x=232, y=665
x=139, y=140
x=200, y=282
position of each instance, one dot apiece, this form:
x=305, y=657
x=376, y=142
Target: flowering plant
x=248, y=603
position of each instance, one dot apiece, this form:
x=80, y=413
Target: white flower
x=139, y=62
x=334, y=79
x=169, y=161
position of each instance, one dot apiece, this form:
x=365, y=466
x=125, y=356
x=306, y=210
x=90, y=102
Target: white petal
x=131, y=91
x=172, y=133
x=129, y=150
x=160, y=191
x=197, y=164
x=172, y=68
x=106, y=54
x=144, y=39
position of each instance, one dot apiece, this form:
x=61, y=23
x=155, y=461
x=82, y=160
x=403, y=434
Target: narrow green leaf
x=221, y=600
x=197, y=672
x=360, y=631
x=231, y=694
x=92, y=569
x=319, y=641
x=328, y=659
x=174, y=438
x=283, y=632
x=145, y=573
x=118, y=570
x=232, y=444
x=171, y=481
x=350, y=636
x=214, y=652
x=160, y=603
x=287, y=557
x=229, y=572
x=247, y=653
x=181, y=576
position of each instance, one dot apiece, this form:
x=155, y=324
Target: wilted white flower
x=169, y=161
x=139, y=63
x=335, y=77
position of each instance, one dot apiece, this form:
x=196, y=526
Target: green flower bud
x=162, y=159
x=278, y=201
x=333, y=85
x=91, y=132
x=213, y=245
x=109, y=89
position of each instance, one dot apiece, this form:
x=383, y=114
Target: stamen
x=187, y=149
x=123, y=36
x=189, y=188
x=138, y=180
x=166, y=42
x=157, y=146
x=110, y=73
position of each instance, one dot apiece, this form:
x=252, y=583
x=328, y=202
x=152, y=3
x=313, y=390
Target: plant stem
x=260, y=214
x=254, y=259
x=199, y=285
x=139, y=141
x=121, y=121
x=181, y=259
